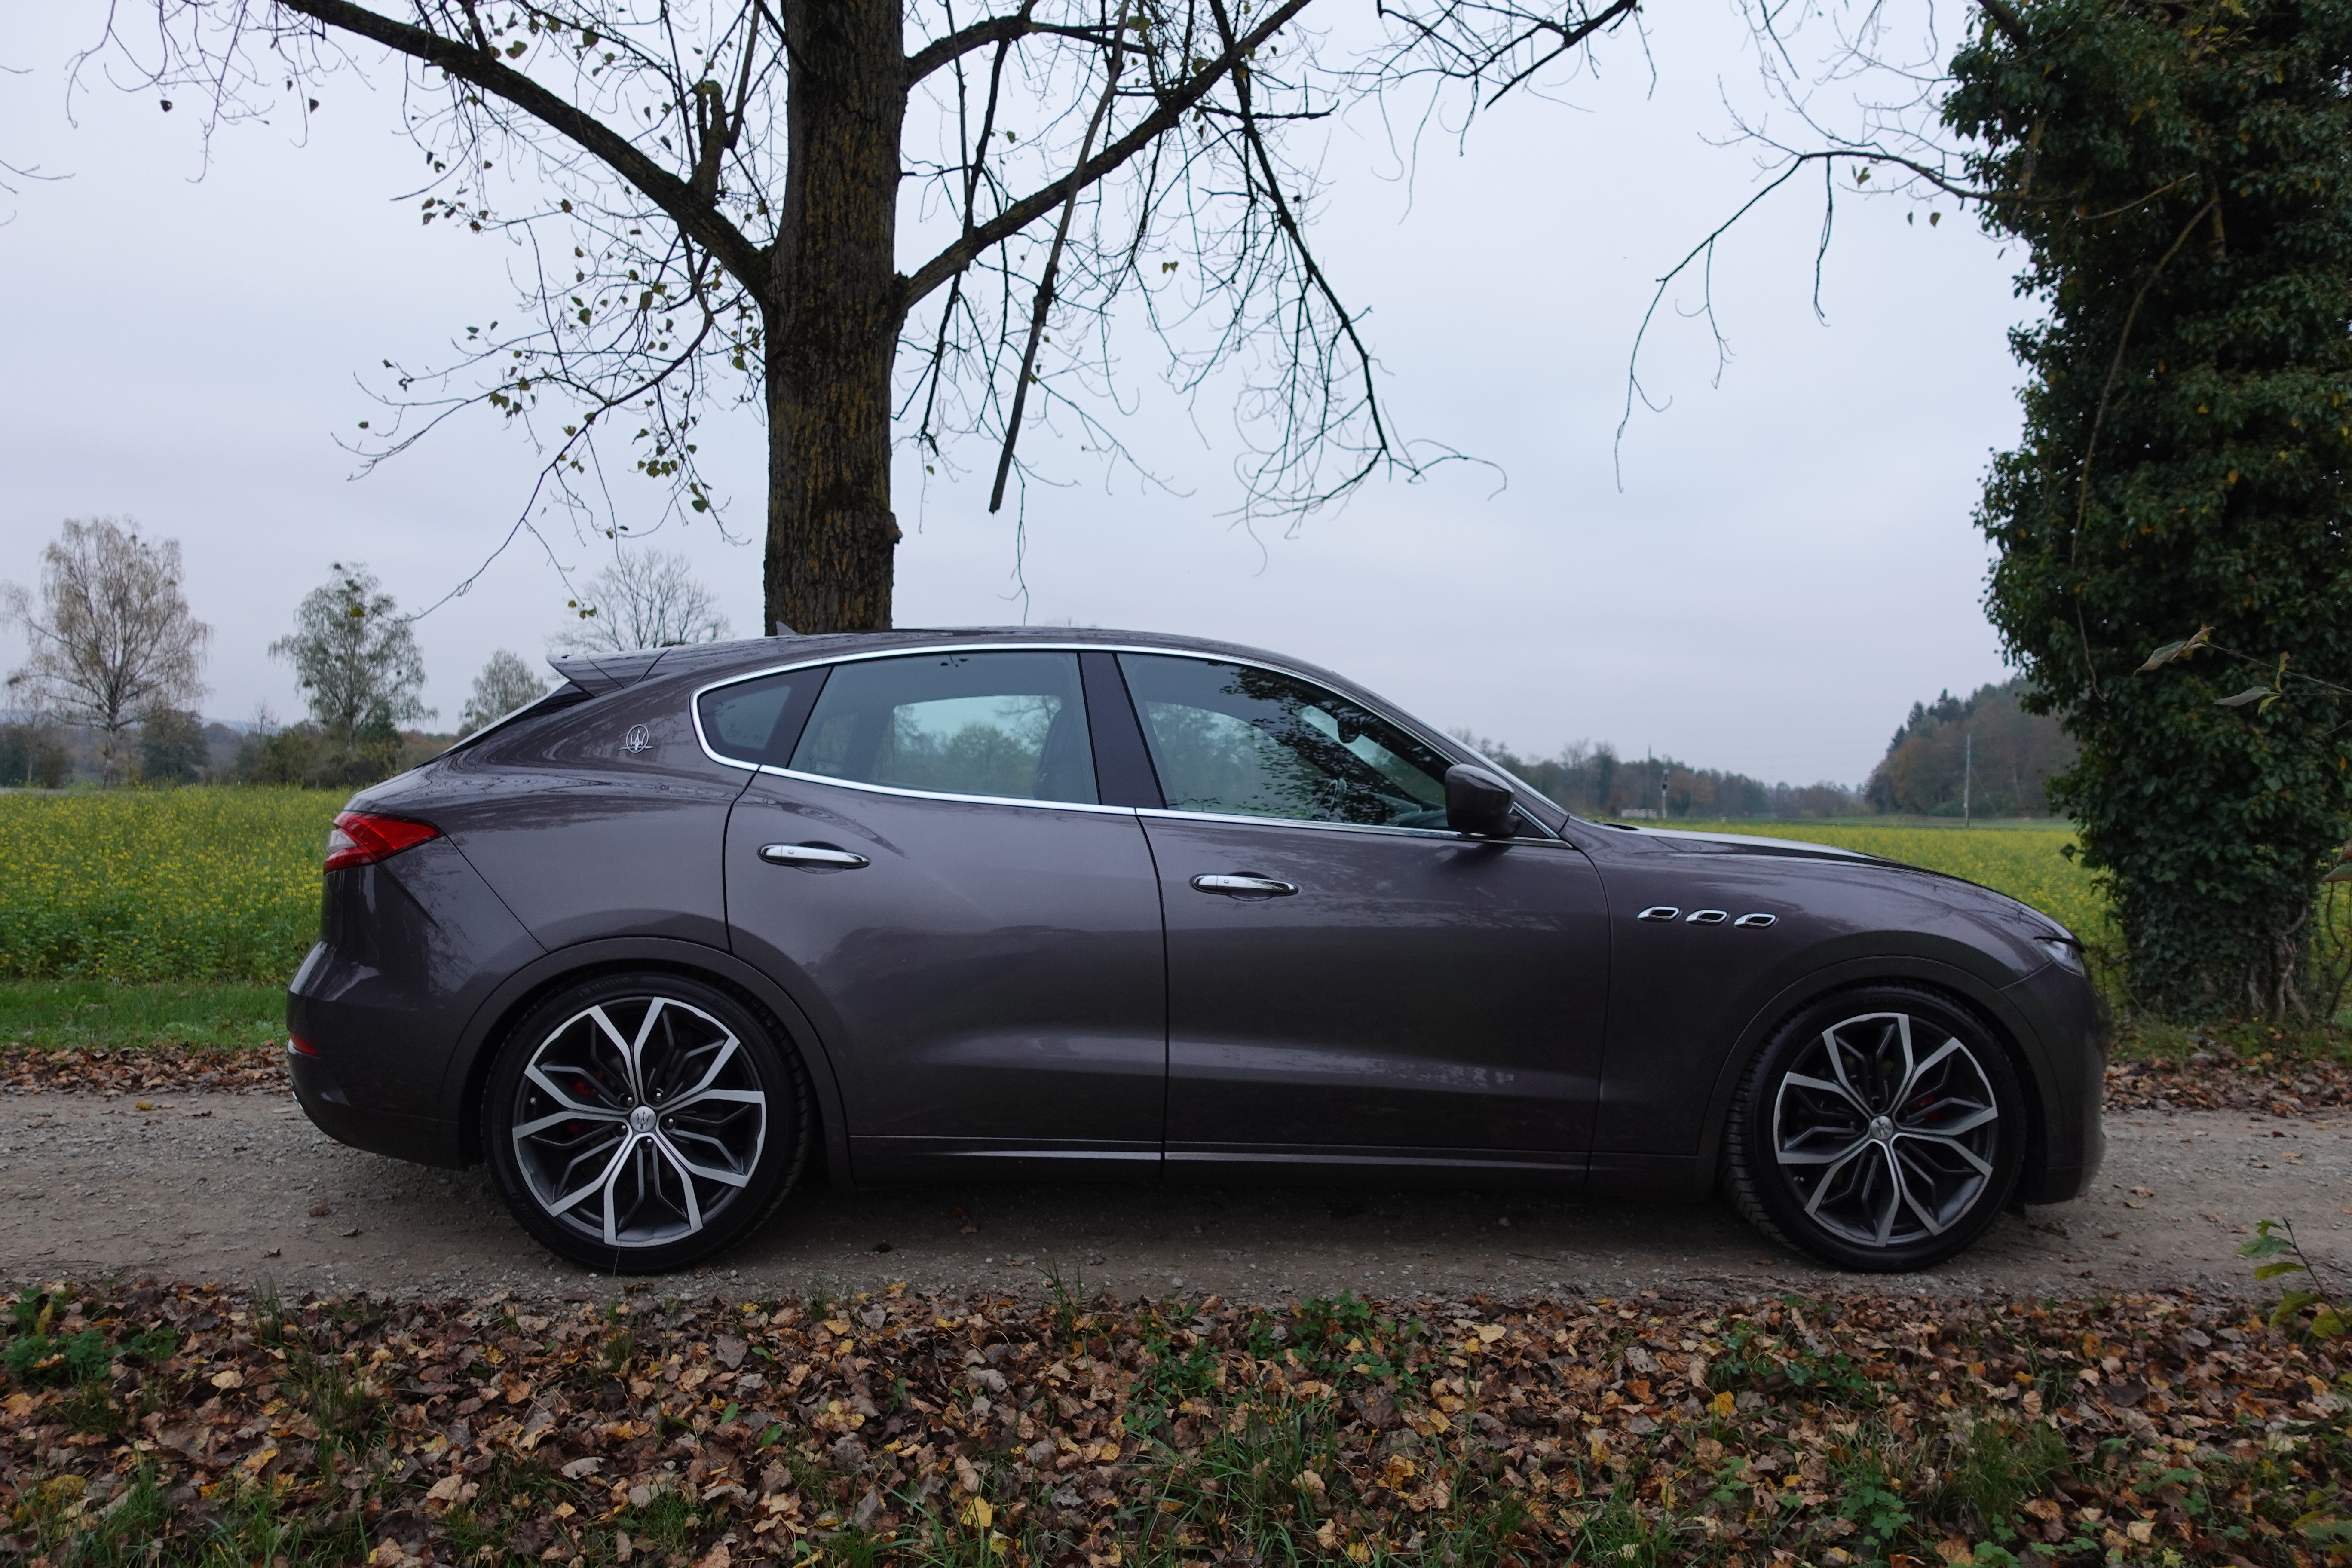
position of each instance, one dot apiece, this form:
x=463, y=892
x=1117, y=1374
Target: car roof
x=600, y=672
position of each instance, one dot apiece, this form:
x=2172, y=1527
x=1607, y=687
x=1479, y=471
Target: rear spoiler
x=597, y=673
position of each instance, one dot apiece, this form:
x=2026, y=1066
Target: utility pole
x=1967, y=772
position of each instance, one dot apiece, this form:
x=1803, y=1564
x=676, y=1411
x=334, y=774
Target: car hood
x=1988, y=900
x=1749, y=843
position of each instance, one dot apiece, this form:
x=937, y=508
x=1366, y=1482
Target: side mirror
x=1477, y=802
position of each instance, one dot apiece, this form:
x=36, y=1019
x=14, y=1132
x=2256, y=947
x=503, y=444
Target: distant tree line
x=108, y=690
x=1984, y=754
x=1592, y=779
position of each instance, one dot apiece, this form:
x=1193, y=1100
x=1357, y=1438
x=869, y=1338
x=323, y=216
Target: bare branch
x=1002, y=30
x=1021, y=214
x=694, y=213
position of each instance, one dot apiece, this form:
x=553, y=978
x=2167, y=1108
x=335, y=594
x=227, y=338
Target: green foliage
x=2177, y=172
x=33, y=756
x=172, y=747
x=357, y=661
x=2274, y=1241
x=306, y=756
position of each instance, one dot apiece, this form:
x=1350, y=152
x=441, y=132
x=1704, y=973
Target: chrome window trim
x=694, y=711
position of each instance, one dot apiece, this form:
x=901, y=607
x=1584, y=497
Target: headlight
x=2064, y=954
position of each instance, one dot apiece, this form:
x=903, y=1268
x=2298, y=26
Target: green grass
x=216, y=884
x=69, y=1014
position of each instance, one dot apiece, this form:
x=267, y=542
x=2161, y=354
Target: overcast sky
x=1788, y=565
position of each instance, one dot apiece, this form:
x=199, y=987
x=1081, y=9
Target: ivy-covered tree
x=2181, y=174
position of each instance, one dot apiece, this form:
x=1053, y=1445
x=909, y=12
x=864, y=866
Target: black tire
x=1861, y=1134
x=647, y=1171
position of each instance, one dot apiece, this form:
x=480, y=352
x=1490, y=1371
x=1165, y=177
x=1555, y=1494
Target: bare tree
x=708, y=198
x=645, y=598
x=111, y=635
x=356, y=659
x=505, y=684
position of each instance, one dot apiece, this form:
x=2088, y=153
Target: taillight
x=363, y=838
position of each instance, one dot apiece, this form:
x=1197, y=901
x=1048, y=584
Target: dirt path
x=222, y=1186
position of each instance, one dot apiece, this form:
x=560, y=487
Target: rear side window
x=1236, y=740
x=1011, y=725
x=758, y=720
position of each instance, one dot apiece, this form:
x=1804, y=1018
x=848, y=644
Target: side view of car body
x=1020, y=904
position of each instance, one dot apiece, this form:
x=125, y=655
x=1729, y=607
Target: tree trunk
x=832, y=315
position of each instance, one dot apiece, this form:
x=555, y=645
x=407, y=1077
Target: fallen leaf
x=232, y=1378
x=321, y=1209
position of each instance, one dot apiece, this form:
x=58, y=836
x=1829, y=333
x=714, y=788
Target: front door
x=976, y=938
x=1349, y=981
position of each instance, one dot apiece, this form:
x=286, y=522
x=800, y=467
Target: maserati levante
x=707, y=921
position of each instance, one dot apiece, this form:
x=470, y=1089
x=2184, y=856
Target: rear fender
x=469, y=1066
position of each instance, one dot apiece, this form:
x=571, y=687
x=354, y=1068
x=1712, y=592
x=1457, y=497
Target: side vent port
x=1658, y=913
x=1708, y=917
x=1757, y=921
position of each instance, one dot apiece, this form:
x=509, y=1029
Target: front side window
x=1233, y=738
x=1011, y=725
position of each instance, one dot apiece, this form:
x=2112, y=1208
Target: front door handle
x=1245, y=885
x=810, y=854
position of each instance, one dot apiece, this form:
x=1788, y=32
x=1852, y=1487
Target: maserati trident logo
x=640, y=740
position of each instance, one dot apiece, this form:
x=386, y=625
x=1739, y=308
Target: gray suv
x=1062, y=905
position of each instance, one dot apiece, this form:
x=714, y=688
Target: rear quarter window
x=759, y=721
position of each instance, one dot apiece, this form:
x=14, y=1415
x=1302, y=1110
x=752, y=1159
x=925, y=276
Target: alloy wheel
x=1887, y=1128
x=638, y=1121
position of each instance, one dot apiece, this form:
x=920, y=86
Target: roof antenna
x=784, y=631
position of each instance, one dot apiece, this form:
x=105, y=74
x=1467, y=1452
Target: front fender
x=2046, y=1088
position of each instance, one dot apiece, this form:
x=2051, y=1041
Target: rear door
x=925, y=862
x=1351, y=983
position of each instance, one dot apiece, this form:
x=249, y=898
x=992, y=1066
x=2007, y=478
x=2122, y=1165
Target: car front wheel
x=642, y=1122
x=1880, y=1130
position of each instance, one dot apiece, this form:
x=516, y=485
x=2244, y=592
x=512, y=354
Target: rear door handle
x=1264, y=887
x=810, y=854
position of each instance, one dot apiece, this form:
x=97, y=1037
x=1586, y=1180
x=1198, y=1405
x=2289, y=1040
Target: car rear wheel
x=643, y=1122
x=1880, y=1130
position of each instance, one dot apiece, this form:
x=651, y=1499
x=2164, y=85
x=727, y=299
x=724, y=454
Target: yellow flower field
x=145, y=885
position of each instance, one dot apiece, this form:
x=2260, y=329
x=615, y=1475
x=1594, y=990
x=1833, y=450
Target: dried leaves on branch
x=896, y=1429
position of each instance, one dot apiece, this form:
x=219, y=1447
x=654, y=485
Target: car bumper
x=2071, y=1026
x=409, y=950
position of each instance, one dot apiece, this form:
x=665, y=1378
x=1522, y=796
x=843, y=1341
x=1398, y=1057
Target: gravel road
x=223, y=1187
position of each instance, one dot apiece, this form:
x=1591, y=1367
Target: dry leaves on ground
x=138, y=1070
x=2278, y=1088
x=896, y=1429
